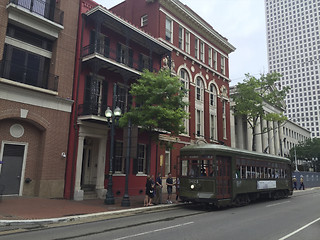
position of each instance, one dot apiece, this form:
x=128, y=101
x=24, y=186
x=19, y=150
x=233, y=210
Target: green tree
x=253, y=95
x=158, y=103
x=309, y=151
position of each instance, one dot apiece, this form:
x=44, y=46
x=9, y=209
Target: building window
x=199, y=90
x=223, y=62
x=145, y=62
x=224, y=119
x=169, y=30
x=118, y=158
x=215, y=60
x=210, y=57
x=198, y=123
x=122, y=98
x=144, y=20
x=196, y=48
x=184, y=77
x=124, y=55
x=202, y=51
x=187, y=41
x=142, y=153
x=213, y=112
x=181, y=38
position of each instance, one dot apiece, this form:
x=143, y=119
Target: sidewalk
x=33, y=209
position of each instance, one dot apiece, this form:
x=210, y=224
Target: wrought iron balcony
x=43, y=8
x=123, y=55
x=92, y=108
x=27, y=75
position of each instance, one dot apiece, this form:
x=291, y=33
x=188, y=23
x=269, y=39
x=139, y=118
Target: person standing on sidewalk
x=158, y=197
x=301, y=183
x=294, y=180
x=169, y=183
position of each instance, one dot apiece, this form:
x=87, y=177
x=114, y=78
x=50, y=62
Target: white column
x=101, y=191
x=258, y=136
x=232, y=129
x=249, y=137
x=276, y=138
x=265, y=135
x=78, y=193
x=271, y=138
x=240, y=140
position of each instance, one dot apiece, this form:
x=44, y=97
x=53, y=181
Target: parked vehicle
x=221, y=175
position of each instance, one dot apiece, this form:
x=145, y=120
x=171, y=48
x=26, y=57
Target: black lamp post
x=114, y=115
x=125, y=200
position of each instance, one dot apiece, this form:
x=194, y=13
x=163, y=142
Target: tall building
x=200, y=57
x=37, y=53
x=293, y=50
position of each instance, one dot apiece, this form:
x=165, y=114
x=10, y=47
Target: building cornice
x=179, y=9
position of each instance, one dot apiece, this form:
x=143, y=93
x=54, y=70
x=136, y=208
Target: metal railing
x=113, y=54
x=92, y=108
x=43, y=8
x=30, y=76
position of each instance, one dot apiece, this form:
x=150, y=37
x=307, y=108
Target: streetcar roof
x=207, y=149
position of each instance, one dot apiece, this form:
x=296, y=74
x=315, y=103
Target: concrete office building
x=293, y=44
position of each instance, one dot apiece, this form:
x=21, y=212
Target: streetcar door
x=223, y=179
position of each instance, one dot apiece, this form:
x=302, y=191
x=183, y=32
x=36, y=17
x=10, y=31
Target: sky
x=242, y=22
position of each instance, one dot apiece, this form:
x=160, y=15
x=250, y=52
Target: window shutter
x=130, y=57
x=147, y=170
x=135, y=166
x=92, y=41
x=140, y=62
x=118, y=52
x=104, y=96
x=106, y=47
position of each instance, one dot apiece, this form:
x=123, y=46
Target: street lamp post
x=114, y=115
x=125, y=200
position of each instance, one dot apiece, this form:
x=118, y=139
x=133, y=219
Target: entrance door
x=223, y=177
x=89, y=167
x=11, y=169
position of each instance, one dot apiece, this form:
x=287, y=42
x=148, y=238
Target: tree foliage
x=309, y=151
x=158, y=103
x=253, y=95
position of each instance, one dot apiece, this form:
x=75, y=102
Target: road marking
x=276, y=204
x=157, y=230
x=300, y=229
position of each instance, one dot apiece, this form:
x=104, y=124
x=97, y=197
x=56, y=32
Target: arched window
x=199, y=89
x=184, y=77
x=213, y=112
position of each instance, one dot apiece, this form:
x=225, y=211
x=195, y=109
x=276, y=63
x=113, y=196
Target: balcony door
x=41, y=7
x=96, y=92
x=26, y=67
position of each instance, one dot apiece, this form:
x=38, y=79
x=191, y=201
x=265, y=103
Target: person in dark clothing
x=158, y=184
x=149, y=191
x=169, y=184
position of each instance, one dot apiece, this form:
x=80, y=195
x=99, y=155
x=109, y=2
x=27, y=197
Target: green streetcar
x=223, y=176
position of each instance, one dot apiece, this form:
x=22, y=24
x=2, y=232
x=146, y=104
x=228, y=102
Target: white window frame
x=215, y=60
x=196, y=48
x=144, y=20
x=144, y=158
x=181, y=38
x=169, y=30
x=187, y=42
x=185, y=81
x=223, y=65
x=199, y=123
x=199, y=89
x=224, y=119
x=213, y=112
x=202, y=53
x=210, y=56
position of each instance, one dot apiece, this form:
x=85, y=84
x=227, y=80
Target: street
x=296, y=217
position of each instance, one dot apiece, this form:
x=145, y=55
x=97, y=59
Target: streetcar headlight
x=192, y=186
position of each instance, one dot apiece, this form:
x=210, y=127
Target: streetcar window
x=248, y=171
x=243, y=172
x=184, y=168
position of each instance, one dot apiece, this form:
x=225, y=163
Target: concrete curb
x=91, y=215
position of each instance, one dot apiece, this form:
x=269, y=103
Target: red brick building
x=37, y=52
x=200, y=57
x=111, y=54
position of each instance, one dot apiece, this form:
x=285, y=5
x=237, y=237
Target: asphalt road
x=297, y=217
